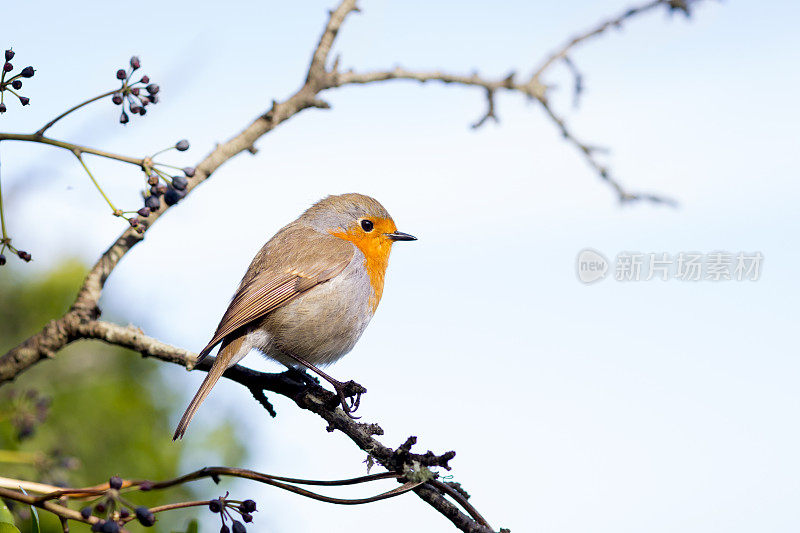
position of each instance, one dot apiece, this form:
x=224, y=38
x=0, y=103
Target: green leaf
x=5, y=515
x=6, y=520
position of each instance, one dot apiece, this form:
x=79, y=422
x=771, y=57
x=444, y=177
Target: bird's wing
x=277, y=279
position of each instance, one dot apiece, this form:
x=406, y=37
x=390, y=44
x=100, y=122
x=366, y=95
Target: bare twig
x=47, y=126
x=72, y=147
x=588, y=153
x=59, y=510
x=613, y=22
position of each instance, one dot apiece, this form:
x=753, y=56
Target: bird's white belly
x=323, y=324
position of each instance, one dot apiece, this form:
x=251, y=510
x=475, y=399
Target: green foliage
x=109, y=412
x=6, y=520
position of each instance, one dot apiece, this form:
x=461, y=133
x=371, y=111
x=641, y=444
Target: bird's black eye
x=367, y=225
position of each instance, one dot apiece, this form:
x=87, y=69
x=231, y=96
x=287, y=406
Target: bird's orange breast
x=376, y=248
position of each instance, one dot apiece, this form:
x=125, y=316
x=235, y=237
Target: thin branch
x=532, y=89
x=588, y=152
x=33, y=137
x=59, y=510
x=316, y=70
x=114, y=209
x=613, y=22
x=284, y=483
x=47, y=126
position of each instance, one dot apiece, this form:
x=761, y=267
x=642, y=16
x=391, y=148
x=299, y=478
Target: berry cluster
x=116, y=511
x=162, y=186
x=223, y=506
x=137, y=94
x=5, y=242
x=14, y=82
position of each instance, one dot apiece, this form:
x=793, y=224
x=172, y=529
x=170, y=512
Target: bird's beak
x=400, y=236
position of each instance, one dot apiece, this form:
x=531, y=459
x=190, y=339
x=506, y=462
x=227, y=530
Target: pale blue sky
x=658, y=406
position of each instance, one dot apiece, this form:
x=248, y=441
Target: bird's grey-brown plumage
x=275, y=279
x=306, y=294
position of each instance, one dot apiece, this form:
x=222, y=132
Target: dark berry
x=224, y=529
x=27, y=72
x=117, y=98
x=162, y=189
x=189, y=171
x=135, y=63
x=121, y=75
x=248, y=506
x=8, y=67
x=16, y=84
x=124, y=513
x=98, y=526
x=133, y=222
x=152, y=202
x=2, y=108
x=25, y=256
x=180, y=182
x=154, y=98
x=86, y=512
x=172, y=197
x=145, y=79
x=142, y=111
x=123, y=118
x=9, y=55
x=182, y=145
x=135, y=91
x=215, y=506
x=24, y=100
x=153, y=88
x=146, y=485
x=116, y=482
x=135, y=109
x=110, y=527
x=238, y=527
x=144, y=212
x=2, y=260
x=247, y=517
x=100, y=508
x=145, y=100
x=145, y=517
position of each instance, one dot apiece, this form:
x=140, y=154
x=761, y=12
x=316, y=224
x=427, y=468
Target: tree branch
x=613, y=22
x=312, y=398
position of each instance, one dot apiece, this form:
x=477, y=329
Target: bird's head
x=363, y=221
x=359, y=219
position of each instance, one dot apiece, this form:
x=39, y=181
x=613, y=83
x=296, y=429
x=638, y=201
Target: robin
x=309, y=293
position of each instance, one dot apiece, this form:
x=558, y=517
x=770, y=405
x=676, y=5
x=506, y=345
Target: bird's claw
x=349, y=396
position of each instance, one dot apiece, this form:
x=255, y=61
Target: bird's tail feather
x=217, y=369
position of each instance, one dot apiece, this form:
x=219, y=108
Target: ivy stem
x=114, y=209
x=33, y=137
x=47, y=126
x=5, y=238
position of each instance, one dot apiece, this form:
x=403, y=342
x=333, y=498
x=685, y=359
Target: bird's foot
x=349, y=389
x=348, y=396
